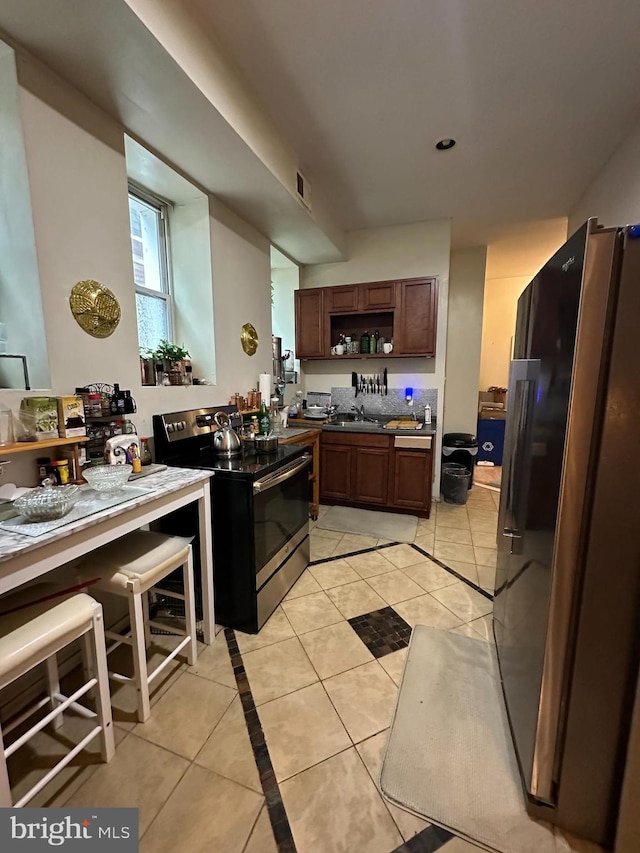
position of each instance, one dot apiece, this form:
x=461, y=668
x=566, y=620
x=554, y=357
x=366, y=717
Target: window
x=149, y=249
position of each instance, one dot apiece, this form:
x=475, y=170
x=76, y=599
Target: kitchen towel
x=264, y=387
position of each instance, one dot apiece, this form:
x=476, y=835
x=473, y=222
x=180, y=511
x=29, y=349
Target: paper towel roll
x=265, y=387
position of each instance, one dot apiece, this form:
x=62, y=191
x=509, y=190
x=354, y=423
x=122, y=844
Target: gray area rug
x=384, y=525
x=449, y=757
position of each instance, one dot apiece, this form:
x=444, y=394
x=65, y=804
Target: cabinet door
x=378, y=296
x=335, y=472
x=415, y=321
x=411, y=475
x=309, y=325
x=339, y=300
x=371, y=476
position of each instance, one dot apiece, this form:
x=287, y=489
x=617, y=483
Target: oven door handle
x=283, y=474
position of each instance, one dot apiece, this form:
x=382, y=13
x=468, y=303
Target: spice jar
x=43, y=462
x=63, y=471
x=145, y=453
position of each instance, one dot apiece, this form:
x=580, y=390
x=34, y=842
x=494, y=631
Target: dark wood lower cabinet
x=371, y=483
x=365, y=469
x=335, y=472
x=411, y=479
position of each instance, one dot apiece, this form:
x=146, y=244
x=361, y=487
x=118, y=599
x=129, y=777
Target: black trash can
x=455, y=483
x=461, y=448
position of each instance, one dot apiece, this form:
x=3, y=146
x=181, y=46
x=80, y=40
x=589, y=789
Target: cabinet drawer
x=413, y=442
x=358, y=439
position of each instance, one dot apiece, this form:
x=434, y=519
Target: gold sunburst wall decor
x=95, y=308
x=249, y=339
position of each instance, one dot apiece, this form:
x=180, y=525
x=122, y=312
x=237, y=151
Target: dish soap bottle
x=427, y=414
x=264, y=422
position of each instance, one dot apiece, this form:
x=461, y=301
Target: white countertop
x=159, y=485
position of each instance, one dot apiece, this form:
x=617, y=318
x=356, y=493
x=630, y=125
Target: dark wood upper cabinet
x=377, y=296
x=339, y=300
x=403, y=311
x=415, y=322
x=309, y=323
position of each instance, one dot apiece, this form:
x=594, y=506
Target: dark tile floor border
x=452, y=571
x=355, y=553
x=273, y=798
x=428, y=841
x=415, y=548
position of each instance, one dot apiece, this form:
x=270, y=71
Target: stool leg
x=53, y=686
x=88, y=663
x=97, y=662
x=5, y=788
x=139, y=655
x=190, y=609
x=147, y=627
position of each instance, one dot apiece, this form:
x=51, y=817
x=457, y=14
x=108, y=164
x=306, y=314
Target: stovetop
x=185, y=439
x=249, y=465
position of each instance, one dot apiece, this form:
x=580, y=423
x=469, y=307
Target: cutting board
x=403, y=424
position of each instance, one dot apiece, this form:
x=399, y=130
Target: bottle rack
x=96, y=437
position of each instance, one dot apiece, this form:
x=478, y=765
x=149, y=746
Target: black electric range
x=259, y=515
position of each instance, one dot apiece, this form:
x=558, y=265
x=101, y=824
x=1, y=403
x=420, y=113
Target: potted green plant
x=172, y=358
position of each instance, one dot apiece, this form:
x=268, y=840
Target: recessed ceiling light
x=445, y=144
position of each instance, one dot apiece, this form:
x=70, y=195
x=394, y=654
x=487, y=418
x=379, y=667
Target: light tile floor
x=324, y=703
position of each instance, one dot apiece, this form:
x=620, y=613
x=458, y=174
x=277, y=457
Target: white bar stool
x=131, y=567
x=32, y=632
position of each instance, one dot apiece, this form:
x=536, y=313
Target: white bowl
x=107, y=479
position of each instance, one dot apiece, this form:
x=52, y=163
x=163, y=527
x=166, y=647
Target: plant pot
x=175, y=369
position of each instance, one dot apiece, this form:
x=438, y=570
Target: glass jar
x=94, y=405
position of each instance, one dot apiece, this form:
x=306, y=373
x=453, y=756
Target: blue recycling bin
x=490, y=440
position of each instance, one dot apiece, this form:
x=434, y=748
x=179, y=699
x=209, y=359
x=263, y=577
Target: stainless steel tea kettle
x=225, y=438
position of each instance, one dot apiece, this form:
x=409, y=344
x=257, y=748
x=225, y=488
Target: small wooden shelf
x=27, y=446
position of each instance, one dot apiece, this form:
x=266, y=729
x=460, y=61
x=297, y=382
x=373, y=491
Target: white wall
x=78, y=186
x=190, y=242
x=285, y=281
x=380, y=254
x=614, y=194
x=512, y=261
x=464, y=339
x=20, y=302
x=241, y=294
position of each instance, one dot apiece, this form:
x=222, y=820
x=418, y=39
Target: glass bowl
x=46, y=503
x=107, y=479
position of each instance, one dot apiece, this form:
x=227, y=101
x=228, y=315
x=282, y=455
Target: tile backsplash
x=392, y=403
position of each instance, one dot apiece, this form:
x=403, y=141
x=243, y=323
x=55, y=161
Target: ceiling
x=537, y=95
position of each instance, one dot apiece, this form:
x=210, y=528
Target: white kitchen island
x=25, y=558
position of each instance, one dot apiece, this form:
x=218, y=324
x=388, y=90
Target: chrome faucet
x=359, y=412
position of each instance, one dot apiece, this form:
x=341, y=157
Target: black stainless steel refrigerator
x=567, y=602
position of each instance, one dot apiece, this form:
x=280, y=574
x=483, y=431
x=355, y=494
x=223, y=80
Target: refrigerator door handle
x=522, y=370
x=511, y=534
